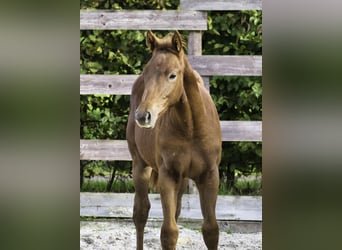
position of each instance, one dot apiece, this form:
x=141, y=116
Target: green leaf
x=92, y=38
x=218, y=45
x=99, y=50
x=225, y=49
x=111, y=55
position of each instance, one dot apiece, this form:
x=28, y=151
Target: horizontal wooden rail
x=241, y=130
x=221, y=5
x=205, y=65
x=234, y=208
x=227, y=65
x=110, y=150
x=115, y=150
x=107, y=84
x=142, y=20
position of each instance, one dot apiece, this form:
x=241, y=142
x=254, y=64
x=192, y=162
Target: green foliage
x=103, y=116
x=125, y=52
x=104, y=168
x=99, y=168
x=119, y=186
x=110, y=52
x=236, y=97
x=233, y=33
x=251, y=185
x=129, y=4
x=121, y=177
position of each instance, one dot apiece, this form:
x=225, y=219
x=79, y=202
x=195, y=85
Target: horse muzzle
x=144, y=119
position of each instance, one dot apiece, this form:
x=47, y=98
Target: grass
x=243, y=186
x=100, y=186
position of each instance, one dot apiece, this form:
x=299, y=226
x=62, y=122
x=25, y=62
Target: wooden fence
x=191, y=17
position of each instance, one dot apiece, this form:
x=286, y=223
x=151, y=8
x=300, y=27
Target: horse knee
x=140, y=212
x=210, y=234
x=169, y=237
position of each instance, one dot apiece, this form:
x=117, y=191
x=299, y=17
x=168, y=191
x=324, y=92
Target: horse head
x=162, y=78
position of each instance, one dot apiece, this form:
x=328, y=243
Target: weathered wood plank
x=142, y=20
x=107, y=84
x=205, y=65
x=110, y=150
x=117, y=150
x=227, y=65
x=195, y=49
x=195, y=43
x=241, y=130
x=221, y=5
x=241, y=208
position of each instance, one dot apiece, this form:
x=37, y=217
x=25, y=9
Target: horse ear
x=150, y=40
x=177, y=41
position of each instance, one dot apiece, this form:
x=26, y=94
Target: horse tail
x=154, y=181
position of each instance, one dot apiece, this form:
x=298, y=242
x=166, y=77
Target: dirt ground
x=120, y=235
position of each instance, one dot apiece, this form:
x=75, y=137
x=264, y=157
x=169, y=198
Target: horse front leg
x=141, y=177
x=208, y=185
x=183, y=186
x=168, y=195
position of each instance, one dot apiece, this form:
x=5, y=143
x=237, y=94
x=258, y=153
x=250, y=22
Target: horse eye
x=172, y=76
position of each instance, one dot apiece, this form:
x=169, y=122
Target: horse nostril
x=143, y=118
x=147, y=117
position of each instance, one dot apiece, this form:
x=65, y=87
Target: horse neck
x=193, y=94
x=189, y=112
x=180, y=115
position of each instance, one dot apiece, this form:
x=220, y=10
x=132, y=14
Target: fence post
x=195, y=49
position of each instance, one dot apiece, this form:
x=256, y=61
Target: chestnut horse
x=173, y=134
